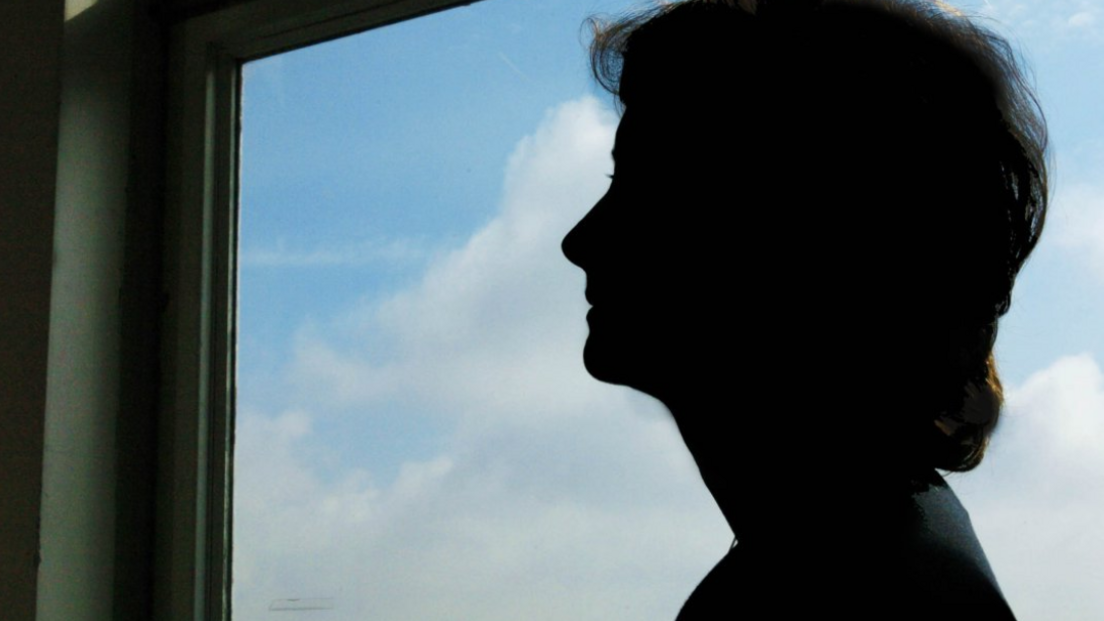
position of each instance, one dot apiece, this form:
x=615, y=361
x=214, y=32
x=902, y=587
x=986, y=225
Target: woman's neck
x=783, y=478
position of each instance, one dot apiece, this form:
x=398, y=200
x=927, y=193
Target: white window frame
x=196, y=434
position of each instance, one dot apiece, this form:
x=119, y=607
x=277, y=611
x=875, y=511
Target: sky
x=416, y=435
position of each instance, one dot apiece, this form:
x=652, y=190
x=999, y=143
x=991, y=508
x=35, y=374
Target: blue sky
x=417, y=437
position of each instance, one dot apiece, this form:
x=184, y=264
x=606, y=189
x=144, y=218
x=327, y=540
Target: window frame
x=196, y=437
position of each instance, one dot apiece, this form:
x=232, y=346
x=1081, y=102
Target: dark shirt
x=939, y=573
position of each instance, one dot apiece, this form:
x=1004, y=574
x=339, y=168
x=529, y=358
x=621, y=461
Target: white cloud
x=349, y=255
x=555, y=494
x=1038, y=499
x=1054, y=18
x=1077, y=223
x=516, y=521
x=1082, y=19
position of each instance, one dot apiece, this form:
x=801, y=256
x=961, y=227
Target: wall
x=102, y=390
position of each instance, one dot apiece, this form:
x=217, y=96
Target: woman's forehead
x=701, y=136
x=645, y=141
x=654, y=129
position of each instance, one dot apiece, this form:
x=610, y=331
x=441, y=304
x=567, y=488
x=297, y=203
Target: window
x=1053, y=375
x=416, y=436
x=193, y=579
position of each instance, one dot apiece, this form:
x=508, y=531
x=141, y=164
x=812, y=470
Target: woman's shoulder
x=944, y=567
x=940, y=572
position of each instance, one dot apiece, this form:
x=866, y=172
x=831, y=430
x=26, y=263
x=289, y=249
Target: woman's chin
x=604, y=362
x=616, y=364
x=598, y=362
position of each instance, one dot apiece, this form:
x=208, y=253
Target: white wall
x=78, y=500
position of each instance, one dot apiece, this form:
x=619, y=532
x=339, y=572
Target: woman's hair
x=914, y=117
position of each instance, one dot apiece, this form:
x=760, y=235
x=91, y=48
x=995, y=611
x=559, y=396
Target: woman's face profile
x=645, y=248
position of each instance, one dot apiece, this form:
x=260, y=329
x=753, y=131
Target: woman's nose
x=577, y=244
x=571, y=245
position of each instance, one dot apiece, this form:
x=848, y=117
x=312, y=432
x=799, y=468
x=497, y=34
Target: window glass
x=416, y=436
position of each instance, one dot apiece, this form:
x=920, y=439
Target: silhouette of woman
x=816, y=218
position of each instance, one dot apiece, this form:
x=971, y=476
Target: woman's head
x=875, y=164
